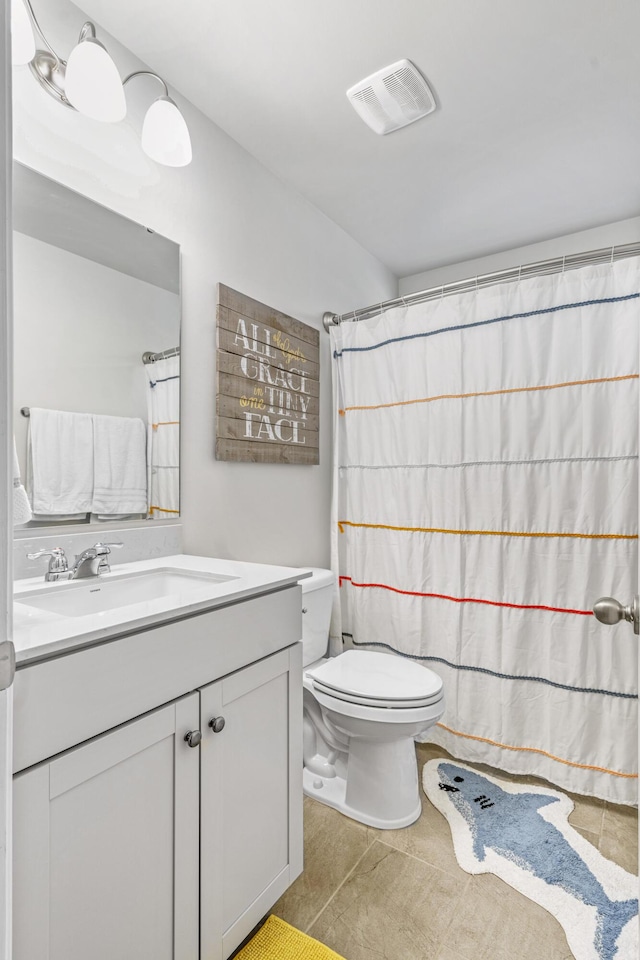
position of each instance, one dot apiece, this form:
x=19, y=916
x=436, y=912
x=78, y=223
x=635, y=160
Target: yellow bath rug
x=277, y=940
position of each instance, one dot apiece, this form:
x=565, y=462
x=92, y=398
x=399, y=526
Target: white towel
x=60, y=462
x=120, y=466
x=21, y=508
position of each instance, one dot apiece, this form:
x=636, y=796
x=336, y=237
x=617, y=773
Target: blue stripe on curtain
x=493, y=673
x=484, y=323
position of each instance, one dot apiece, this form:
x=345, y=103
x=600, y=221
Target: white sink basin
x=81, y=598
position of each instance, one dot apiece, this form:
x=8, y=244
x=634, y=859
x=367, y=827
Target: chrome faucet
x=92, y=562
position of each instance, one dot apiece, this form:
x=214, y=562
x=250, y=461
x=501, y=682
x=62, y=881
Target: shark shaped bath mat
x=522, y=835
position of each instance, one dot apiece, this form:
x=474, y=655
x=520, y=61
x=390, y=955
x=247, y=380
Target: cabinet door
x=99, y=834
x=251, y=797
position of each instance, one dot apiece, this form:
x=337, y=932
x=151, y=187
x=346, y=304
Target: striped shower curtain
x=163, y=454
x=485, y=495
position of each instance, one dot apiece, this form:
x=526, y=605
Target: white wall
x=80, y=330
x=237, y=224
x=625, y=231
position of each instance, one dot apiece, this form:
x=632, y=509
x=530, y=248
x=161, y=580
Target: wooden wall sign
x=268, y=383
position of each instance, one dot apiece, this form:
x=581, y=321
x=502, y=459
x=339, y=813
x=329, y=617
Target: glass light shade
x=92, y=83
x=165, y=135
x=23, y=44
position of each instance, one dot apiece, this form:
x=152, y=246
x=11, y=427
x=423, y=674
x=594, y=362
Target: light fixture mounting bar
x=38, y=29
x=88, y=30
x=46, y=66
x=146, y=73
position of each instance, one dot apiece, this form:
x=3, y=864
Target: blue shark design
x=510, y=825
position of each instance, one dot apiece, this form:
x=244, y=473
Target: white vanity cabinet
x=134, y=844
x=106, y=846
x=251, y=822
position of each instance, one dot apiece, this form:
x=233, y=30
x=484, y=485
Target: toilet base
x=333, y=792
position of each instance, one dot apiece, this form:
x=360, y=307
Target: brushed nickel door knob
x=193, y=738
x=217, y=724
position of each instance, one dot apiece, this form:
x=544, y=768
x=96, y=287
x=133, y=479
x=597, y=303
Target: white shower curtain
x=485, y=495
x=163, y=455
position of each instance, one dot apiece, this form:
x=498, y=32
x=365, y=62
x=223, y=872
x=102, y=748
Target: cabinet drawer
x=66, y=700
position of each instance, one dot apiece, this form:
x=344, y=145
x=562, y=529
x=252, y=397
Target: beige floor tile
x=428, y=839
x=333, y=844
x=593, y=838
x=446, y=954
x=619, y=838
x=495, y=922
x=392, y=907
x=587, y=814
x=430, y=751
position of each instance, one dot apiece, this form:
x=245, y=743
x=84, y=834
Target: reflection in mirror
x=96, y=360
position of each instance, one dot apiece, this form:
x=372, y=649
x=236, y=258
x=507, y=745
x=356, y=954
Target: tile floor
x=400, y=894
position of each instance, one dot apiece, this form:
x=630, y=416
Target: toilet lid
x=365, y=676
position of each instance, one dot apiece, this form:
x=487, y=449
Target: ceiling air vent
x=392, y=97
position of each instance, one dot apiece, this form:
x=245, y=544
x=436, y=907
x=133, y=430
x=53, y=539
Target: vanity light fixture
x=89, y=82
x=92, y=83
x=165, y=135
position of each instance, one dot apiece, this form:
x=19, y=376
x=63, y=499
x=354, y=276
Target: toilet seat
x=379, y=713
x=376, y=680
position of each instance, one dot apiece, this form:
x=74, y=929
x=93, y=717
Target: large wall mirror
x=96, y=359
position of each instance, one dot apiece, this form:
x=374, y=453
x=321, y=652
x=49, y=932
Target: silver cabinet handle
x=608, y=610
x=217, y=724
x=193, y=738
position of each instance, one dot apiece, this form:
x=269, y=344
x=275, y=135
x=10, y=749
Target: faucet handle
x=103, y=550
x=57, y=555
x=105, y=547
x=57, y=562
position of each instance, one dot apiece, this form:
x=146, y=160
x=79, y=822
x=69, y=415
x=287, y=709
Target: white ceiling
x=536, y=132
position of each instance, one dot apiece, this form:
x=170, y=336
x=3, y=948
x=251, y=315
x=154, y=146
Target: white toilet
x=362, y=711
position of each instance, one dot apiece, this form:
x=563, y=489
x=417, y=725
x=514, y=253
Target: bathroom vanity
x=158, y=760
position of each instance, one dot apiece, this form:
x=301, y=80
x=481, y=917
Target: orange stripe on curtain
x=487, y=533
x=507, y=746
x=489, y=393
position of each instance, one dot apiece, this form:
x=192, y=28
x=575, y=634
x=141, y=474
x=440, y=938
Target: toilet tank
x=317, y=598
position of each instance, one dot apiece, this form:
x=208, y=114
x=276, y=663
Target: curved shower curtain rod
x=556, y=265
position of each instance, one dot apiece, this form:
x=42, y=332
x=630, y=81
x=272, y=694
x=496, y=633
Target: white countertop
x=38, y=634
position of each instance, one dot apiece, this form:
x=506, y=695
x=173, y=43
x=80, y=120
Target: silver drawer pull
x=217, y=724
x=193, y=738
